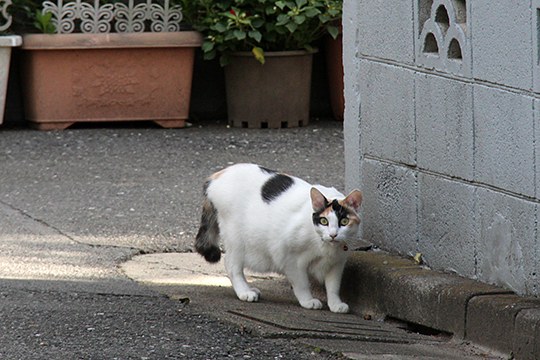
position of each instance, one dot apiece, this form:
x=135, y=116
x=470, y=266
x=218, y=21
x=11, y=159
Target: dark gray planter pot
x=273, y=95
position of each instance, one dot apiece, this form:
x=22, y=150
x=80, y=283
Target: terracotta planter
x=70, y=78
x=334, y=65
x=6, y=43
x=273, y=95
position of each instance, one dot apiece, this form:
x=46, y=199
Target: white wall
x=442, y=132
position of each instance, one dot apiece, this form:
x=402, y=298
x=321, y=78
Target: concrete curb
x=189, y=279
x=380, y=284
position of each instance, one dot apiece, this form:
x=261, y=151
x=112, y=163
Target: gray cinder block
x=501, y=39
x=506, y=250
x=386, y=30
x=504, y=140
x=387, y=112
x=389, y=206
x=446, y=228
x=444, y=126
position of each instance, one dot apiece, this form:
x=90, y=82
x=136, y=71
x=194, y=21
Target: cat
x=272, y=222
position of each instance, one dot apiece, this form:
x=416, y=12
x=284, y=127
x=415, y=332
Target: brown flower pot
x=273, y=95
x=70, y=78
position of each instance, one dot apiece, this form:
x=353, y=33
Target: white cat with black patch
x=272, y=222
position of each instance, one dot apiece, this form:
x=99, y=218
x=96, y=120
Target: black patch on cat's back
x=267, y=171
x=275, y=186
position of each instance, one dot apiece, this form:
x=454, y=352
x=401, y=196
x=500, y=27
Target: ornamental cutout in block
x=93, y=17
x=442, y=43
x=5, y=18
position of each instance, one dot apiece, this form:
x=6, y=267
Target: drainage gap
x=414, y=328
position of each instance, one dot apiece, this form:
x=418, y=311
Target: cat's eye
x=344, y=222
x=323, y=221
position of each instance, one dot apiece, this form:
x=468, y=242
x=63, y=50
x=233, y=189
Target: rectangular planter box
x=70, y=78
x=6, y=43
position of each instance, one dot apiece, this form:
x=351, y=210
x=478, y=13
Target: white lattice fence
x=93, y=17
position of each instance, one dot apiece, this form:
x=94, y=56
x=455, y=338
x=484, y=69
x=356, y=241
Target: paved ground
x=76, y=205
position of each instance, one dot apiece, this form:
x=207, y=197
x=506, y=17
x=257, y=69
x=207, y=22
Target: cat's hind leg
x=234, y=263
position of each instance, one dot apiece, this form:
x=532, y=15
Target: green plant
x=261, y=25
x=28, y=17
x=43, y=22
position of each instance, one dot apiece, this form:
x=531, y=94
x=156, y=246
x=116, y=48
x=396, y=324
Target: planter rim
x=10, y=40
x=275, y=53
x=111, y=40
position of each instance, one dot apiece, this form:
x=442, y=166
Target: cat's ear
x=354, y=199
x=318, y=201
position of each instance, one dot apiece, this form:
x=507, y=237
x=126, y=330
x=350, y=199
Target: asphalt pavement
x=82, y=213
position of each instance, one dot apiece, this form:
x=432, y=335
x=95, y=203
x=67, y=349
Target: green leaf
x=43, y=22
x=312, y=12
x=290, y=4
x=224, y=60
x=239, y=34
x=333, y=12
x=255, y=35
x=257, y=23
x=280, y=4
x=299, y=19
x=259, y=54
x=291, y=27
x=301, y=3
x=207, y=46
x=209, y=55
x=270, y=10
x=220, y=27
x=282, y=19
x=333, y=31
x=309, y=48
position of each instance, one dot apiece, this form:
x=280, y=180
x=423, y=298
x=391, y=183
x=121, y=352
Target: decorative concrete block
x=386, y=30
x=507, y=241
x=387, y=112
x=444, y=126
x=504, y=140
x=447, y=233
x=443, y=36
x=502, y=34
x=389, y=206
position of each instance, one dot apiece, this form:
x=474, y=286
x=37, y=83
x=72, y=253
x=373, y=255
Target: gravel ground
x=76, y=203
x=78, y=325
x=141, y=187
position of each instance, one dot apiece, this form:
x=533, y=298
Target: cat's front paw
x=250, y=296
x=314, y=304
x=339, y=308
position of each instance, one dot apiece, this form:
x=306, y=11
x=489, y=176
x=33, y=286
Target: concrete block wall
x=442, y=132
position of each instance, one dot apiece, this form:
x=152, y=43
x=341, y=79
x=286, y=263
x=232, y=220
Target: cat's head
x=336, y=220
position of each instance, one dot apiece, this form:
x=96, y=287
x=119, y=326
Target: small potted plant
x=7, y=42
x=100, y=60
x=266, y=47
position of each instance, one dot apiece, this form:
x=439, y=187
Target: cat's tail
x=207, y=239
